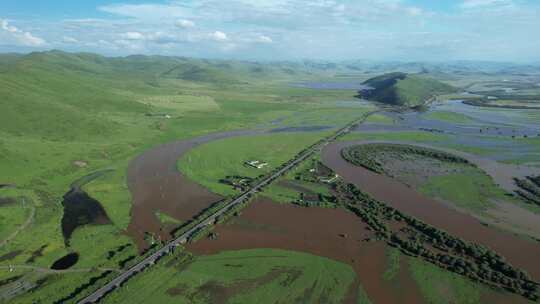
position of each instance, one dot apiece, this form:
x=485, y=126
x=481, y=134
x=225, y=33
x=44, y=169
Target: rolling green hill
x=56, y=94
x=403, y=89
x=64, y=116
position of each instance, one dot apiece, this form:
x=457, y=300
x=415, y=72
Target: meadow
x=240, y=277
x=209, y=163
x=65, y=116
x=84, y=113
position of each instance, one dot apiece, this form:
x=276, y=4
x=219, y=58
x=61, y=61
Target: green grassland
x=282, y=194
x=211, y=162
x=166, y=219
x=405, y=89
x=463, y=185
x=393, y=257
x=244, y=276
x=415, y=90
x=439, y=286
x=54, y=288
x=380, y=119
x=59, y=110
x=470, y=189
x=325, y=116
x=12, y=215
x=436, y=285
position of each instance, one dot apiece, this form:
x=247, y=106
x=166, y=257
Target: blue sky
x=407, y=30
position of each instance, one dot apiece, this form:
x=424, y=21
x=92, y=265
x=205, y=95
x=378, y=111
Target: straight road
x=211, y=219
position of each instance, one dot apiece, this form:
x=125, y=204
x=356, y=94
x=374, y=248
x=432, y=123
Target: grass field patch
x=211, y=162
x=448, y=116
x=244, y=276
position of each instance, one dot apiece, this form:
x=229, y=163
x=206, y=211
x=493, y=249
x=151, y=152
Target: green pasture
x=244, y=276
x=209, y=163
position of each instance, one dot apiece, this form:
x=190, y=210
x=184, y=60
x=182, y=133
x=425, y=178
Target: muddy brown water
x=156, y=185
x=319, y=231
x=502, y=174
x=519, y=252
x=505, y=214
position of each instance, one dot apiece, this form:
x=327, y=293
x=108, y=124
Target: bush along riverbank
x=416, y=238
x=529, y=189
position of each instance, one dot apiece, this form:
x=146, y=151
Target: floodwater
x=503, y=174
x=496, y=117
x=156, y=185
x=484, y=121
x=80, y=209
x=489, y=129
x=301, y=129
x=333, y=233
x=506, y=214
x=66, y=261
x=519, y=252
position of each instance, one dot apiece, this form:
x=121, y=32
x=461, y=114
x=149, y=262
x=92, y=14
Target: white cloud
x=68, y=39
x=19, y=37
x=294, y=29
x=7, y=27
x=183, y=23
x=133, y=36
x=264, y=39
x=219, y=36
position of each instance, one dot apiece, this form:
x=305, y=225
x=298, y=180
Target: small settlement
x=257, y=164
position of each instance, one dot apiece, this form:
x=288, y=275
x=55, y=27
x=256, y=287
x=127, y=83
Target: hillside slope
x=403, y=89
x=58, y=95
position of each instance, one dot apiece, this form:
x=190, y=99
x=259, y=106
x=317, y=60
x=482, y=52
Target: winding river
x=518, y=251
x=156, y=184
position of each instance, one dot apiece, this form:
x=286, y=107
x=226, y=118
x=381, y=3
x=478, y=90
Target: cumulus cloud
x=133, y=36
x=292, y=29
x=264, y=39
x=186, y=24
x=68, y=39
x=219, y=36
x=19, y=37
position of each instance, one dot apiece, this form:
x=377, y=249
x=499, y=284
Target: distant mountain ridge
x=403, y=89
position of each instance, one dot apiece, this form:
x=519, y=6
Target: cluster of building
x=257, y=164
